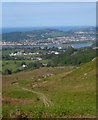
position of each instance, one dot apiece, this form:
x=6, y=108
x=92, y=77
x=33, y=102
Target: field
x=51, y=92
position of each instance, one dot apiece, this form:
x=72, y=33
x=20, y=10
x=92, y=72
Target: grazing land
x=51, y=92
x=45, y=76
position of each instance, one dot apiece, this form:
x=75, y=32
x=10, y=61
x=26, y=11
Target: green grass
x=72, y=92
x=15, y=65
x=25, y=82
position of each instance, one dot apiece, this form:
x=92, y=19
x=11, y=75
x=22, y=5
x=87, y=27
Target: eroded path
x=44, y=99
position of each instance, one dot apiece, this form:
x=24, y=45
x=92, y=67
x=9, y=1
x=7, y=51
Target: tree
x=7, y=71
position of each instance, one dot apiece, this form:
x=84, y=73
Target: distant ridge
x=43, y=33
x=36, y=34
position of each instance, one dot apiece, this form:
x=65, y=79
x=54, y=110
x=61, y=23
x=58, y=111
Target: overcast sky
x=22, y=14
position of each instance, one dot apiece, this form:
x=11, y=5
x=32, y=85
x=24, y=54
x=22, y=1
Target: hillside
x=51, y=92
x=48, y=33
x=35, y=35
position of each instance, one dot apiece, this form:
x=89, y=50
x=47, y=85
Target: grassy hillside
x=51, y=92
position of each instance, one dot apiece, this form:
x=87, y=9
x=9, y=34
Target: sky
x=49, y=1
x=37, y=14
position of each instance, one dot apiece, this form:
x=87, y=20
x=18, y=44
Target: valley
x=49, y=82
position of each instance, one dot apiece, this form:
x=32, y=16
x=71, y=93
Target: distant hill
x=32, y=35
x=46, y=33
x=90, y=31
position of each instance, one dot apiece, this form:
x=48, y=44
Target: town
x=43, y=40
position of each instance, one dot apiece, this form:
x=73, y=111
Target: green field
x=51, y=92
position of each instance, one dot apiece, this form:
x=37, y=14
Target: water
x=81, y=45
x=22, y=29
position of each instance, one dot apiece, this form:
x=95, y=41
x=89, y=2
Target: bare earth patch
x=16, y=101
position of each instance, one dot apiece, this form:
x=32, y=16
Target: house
x=24, y=65
x=56, y=53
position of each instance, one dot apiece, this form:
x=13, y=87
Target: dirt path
x=44, y=99
x=67, y=73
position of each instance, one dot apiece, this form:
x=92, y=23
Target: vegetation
x=71, y=56
x=51, y=82
x=74, y=57
x=51, y=92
